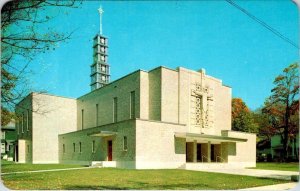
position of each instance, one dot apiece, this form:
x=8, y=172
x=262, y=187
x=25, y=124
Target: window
x=125, y=147
x=23, y=123
x=102, y=40
x=97, y=114
x=27, y=120
x=115, y=110
x=132, y=104
x=93, y=146
x=80, y=147
x=102, y=58
x=82, y=118
x=18, y=125
x=74, y=147
x=64, y=148
x=27, y=149
x=102, y=49
x=103, y=68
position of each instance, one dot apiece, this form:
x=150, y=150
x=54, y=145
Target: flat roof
x=209, y=137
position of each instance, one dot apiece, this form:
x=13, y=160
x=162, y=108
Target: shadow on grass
x=142, y=186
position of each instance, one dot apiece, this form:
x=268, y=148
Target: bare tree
x=22, y=39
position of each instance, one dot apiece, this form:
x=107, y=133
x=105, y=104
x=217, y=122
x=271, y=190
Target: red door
x=109, y=150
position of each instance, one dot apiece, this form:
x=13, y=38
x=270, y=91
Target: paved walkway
x=285, y=186
x=51, y=170
x=284, y=175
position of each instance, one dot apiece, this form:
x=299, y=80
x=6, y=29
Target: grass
x=8, y=166
x=114, y=179
x=293, y=166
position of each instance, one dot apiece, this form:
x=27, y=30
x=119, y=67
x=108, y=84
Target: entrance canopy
x=102, y=133
x=205, y=137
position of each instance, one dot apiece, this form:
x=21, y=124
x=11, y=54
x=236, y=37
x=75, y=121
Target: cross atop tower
x=100, y=68
x=100, y=10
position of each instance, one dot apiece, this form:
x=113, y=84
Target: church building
x=157, y=119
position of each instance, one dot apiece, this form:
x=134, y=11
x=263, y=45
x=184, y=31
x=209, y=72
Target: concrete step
x=196, y=166
x=97, y=164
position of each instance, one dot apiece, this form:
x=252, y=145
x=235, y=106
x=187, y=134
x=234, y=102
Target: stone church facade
x=156, y=119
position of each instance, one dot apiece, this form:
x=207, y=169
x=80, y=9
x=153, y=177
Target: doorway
x=199, y=153
x=109, y=150
x=212, y=153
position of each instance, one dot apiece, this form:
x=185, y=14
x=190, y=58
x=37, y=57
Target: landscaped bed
x=293, y=166
x=110, y=178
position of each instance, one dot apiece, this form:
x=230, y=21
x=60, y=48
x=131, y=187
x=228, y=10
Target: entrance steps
x=101, y=164
x=212, y=165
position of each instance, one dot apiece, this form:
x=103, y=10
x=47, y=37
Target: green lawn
x=7, y=166
x=293, y=166
x=110, y=178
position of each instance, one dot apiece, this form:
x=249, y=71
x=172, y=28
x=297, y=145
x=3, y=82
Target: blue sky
x=196, y=34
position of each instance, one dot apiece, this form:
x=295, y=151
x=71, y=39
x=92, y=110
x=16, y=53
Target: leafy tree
x=22, y=38
x=282, y=106
x=242, y=117
x=265, y=128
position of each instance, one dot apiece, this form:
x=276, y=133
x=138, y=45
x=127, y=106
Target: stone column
x=195, y=151
x=208, y=152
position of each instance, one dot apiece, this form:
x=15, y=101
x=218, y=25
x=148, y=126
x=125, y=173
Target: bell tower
x=100, y=68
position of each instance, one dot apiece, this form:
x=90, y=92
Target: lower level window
x=125, y=147
x=93, y=146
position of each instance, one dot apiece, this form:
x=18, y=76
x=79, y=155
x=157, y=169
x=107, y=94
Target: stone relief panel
x=201, y=107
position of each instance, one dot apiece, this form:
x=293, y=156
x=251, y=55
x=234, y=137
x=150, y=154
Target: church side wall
x=54, y=115
x=123, y=158
x=156, y=146
x=104, y=97
x=155, y=94
x=24, y=129
x=169, y=95
x=144, y=95
x=241, y=154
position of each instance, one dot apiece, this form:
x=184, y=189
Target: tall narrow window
x=80, y=147
x=115, y=109
x=27, y=149
x=82, y=118
x=23, y=123
x=27, y=120
x=18, y=125
x=74, y=147
x=93, y=146
x=132, y=105
x=97, y=114
x=125, y=147
x=64, y=148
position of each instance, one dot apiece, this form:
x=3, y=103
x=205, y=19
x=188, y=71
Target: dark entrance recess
x=109, y=150
x=199, y=154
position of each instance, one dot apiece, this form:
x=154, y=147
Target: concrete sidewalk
x=284, y=175
x=50, y=170
x=285, y=186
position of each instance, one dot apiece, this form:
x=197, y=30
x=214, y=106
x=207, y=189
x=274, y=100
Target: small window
x=80, y=147
x=93, y=146
x=115, y=110
x=132, y=105
x=97, y=114
x=82, y=119
x=102, y=40
x=23, y=123
x=125, y=147
x=64, y=148
x=74, y=147
x=27, y=121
